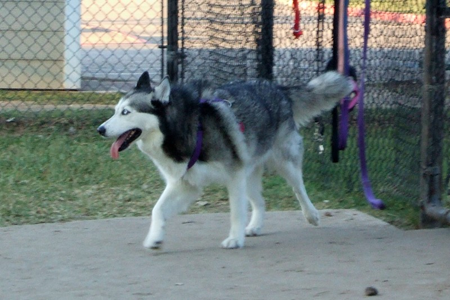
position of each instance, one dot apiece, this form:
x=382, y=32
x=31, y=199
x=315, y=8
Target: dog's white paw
x=252, y=231
x=232, y=243
x=151, y=244
x=312, y=216
x=153, y=241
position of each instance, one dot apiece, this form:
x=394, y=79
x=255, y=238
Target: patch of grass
x=59, y=97
x=400, y=6
x=55, y=167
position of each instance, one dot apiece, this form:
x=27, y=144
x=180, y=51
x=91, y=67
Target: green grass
x=58, y=97
x=56, y=168
x=400, y=6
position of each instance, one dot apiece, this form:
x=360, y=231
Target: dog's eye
x=125, y=112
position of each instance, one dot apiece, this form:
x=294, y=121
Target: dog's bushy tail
x=321, y=94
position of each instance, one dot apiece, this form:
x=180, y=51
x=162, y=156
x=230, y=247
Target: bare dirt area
x=104, y=259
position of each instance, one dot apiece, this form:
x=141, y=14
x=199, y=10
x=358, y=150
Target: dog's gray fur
x=169, y=116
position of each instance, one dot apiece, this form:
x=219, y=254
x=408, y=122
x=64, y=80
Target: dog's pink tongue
x=114, y=151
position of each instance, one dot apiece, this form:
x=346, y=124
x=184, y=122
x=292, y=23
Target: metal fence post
x=433, y=107
x=172, y=40
x=265, y=42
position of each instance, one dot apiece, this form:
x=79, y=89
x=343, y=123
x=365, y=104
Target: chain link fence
x=60, y=54
x=233, y=33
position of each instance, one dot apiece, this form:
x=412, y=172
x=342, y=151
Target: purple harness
x=198, y=146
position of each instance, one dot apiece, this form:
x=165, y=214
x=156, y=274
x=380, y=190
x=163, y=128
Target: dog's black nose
x=101, y=130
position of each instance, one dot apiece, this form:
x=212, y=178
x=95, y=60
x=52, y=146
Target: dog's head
x=136, y=114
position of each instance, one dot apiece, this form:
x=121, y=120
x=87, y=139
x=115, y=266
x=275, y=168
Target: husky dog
x=197, y=135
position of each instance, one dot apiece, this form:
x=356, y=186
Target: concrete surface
x=292, y=260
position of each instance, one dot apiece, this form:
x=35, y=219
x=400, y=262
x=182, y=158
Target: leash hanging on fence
x=297, y=30
x=368, y=192
x=340, y=62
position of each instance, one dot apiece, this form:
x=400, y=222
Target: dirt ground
x=105, y=260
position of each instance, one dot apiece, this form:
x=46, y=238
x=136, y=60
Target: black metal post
x=172, y=40
x=319, y=37
x=332, y=65
x=162, y=46
x=265, y=42
x=432, y=136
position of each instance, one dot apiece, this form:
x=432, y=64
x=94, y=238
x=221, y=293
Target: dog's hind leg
x=289, y=166
x=254, y=189
x=236, y=187
x=176, y=198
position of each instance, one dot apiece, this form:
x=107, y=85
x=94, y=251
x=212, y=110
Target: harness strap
x=198, y=145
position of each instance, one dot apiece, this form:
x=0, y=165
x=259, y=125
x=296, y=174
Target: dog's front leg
x=176, y=198
x=238, y=211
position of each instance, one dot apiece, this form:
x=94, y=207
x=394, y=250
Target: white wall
x=40, y=44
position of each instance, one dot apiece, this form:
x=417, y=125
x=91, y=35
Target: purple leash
x=368, y=192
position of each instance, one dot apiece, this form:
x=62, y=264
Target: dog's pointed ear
x=162, y=91
x=144, y=81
